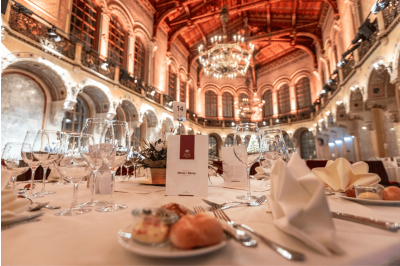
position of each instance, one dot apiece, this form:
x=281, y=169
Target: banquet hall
x=325, y=73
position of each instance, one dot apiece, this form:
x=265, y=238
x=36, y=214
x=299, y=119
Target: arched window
x=303, y=93
x=227, y=104
x=211, y=104
x=242, y=97
x=139, y=59
x=246, y=141
x=379, y=85
x=74, y=120
x=307, y=145
x=84, y=22
x=356, y=100
x=116, y=41
x=268, y=105
x=284, y=99
x=172, y=83
x=191, y=98
x=182, y=90
x=228, y=141
x=212, y=145
x=288, y=142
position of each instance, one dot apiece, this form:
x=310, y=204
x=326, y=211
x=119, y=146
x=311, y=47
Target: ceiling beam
x=158, y=21
x=278, y=33
x=294, y=12
x=268, y=6
x=202, y=33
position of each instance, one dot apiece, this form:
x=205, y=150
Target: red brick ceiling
x=276, y=27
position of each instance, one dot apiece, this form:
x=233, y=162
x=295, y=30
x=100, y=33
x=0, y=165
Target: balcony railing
x=213, y=123
x=91, y=58
x=390, y=14
x=36, y=31
x=167, y=101
x=347, y=68
x=152, y=94
x=367, y=44
x=126, y=80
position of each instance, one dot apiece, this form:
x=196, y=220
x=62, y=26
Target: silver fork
x=38, y=206
x=283, y=251
x=258, y=202
x=237, y=234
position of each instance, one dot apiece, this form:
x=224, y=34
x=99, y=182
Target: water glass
x=13, y=160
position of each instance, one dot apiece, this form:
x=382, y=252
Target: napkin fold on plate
x=11, y=205
x=340, y=174
x=299, y=206
x=54, y=174
x=260, y=173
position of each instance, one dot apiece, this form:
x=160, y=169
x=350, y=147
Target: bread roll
x=196, y=231
x=391, y=193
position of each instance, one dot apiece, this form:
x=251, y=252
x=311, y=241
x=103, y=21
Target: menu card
x=235, y=173
x=187, y=166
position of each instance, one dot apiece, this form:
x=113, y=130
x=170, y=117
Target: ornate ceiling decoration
x=275, y=27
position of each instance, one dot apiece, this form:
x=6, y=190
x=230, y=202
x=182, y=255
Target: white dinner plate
x=168, y=251
x=369, y=201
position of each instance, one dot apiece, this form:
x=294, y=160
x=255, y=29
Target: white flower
x=158, y=146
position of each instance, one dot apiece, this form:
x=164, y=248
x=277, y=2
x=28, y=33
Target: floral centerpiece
x=154, y=155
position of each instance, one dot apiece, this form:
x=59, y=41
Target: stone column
x=381, y=22
x=219, y=107
x=178, y=86
x=78, y=53
x=293, y=104
x=275, y=103
x=154, y=47
x=104, y=25
x=236, y=116
x=379, y=131
x=131, y=52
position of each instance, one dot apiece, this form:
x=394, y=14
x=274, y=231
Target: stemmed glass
x=93, y=135
x=272, y=149
x=72, y=167
x=116, y=141
x=13, y=160
x=53, y=147
x=34, y=154
x=247, y=155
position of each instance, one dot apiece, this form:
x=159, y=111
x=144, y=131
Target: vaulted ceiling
x=276, y=27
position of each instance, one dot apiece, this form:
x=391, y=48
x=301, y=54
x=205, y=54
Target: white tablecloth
x=91, y=239
x=393, y=174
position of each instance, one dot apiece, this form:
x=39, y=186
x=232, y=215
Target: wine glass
x=116, y=141
x=93, y=135
x=73, y=168
x=53, y=147
x=33, y=155
x=13, y=160
x=272, y=149
x=247, y=155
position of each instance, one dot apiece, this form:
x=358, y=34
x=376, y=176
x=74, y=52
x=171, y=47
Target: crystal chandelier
x=226, y=59
x=249, y=107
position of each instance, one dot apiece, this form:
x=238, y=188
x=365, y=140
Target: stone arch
x=281, y=81
x=266, y=87
x=219, y=142
x=230, y=89
x=52, y=75
x=131, y=110
x=174, y=64
x=181, y=130
x=98, y=101
x=213, y=88
x=296, y=76
x=139, y=27
x=116, y=8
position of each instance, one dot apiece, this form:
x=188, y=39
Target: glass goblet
x=247, y=154
x=13, y=161
x=272, y=149
x=93, y=134
x=73, y=168
x=33, y=154
x=116, y=141
x=53, y=147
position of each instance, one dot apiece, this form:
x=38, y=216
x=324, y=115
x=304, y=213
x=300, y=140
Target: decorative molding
x=144, y=8
x=324, y=13
x=181, y=48
x=282, y=62
x=149, y=6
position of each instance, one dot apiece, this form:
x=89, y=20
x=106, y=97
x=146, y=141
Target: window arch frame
x=305, y=150
x=264, y=97
x=303, y=93
x=213, y=152
x=284, y=99
x=112, y=43
x=74, y=113
x=228, y=141
x=172, y=83
x=227, y=105
x=211, y=105
x=75, y=16
x=139, y=50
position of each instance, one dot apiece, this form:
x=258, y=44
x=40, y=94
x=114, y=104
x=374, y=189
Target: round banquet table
x=91, y=239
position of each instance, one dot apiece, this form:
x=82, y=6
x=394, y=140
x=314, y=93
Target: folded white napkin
x=299, y=206
x=11, y=205
x=340, y=174
x=260, y=173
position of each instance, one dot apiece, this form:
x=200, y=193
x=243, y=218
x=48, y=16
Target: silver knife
x=222, y=207
x=389, y=226
x=20, y=219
